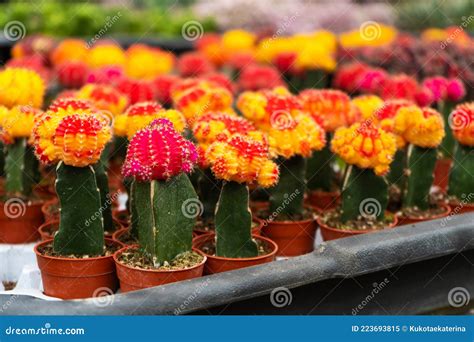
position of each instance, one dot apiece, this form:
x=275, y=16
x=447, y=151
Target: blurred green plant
x=418, y=15
x=85, y=19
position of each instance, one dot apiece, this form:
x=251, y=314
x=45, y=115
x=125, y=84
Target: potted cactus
x=293, y=135
x=332, y=109
x=238, y=160
x=158, y=160
x=20, y=213
x=461, y=182
x=78, y=261
x=423, y=129
x=367, y=151
x=207, y=129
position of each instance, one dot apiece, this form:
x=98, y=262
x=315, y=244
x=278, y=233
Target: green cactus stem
x=286, y=198
x=316, y=79
x=364, y=194
x=2, y=160
x=165, y=228
x=132, y=209
x=209, y=189
x=461, y=181
x=119, y=148
x=81, y=231
x=21, y=168
x=233, y=223
x=447, y=145
x=105, y=199
x=420, y=168
x=396, y=176
x=319, y=171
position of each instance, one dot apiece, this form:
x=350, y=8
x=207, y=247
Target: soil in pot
x=75, y=277
x=414, y=215
x=8, y=285
x=333, y=228
x=19, y=220
x=137, y=272
x=293, y=237
x=215, y=264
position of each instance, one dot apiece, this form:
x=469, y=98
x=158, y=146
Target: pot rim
x=49, y=257
x=323, y=225
x=48, y=223
x=445, y=213
x=120, y=251
x=208, y=236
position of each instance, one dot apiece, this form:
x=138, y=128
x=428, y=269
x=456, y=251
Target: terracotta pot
x=47, y=228
x=292, y=237
x=50, y=210
x=118, y=234
x=323, y=200
x=45, y=191
x=256, y=229
x=217, y=264
x=256, y=206
x=19, y=221
x=330, y=233
x=122, y=216
x=132, y=279
x=458, y=208
x=404, y=220
x=71, y=278
x=441, y=173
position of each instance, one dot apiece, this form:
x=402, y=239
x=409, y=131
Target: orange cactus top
x=17, y=122
x=366, y=146
x=422, y=127
x=104, y=97
x=242, y=159
x=105, y=54
x=461, y=121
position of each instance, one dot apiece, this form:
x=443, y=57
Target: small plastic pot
x=292, y=237
x=441, y=173
x=50, y=210
x=323, y=200
x=73, y=278
x=118, y=234
x=461, y=208
x=404, y=219
x=122, y=216
x=216, y=264
x=330, y=233
x=47, y=228
x=132, y=279
x=19, y=221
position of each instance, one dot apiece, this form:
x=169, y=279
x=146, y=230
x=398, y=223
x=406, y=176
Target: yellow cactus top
x=242, y=159
x=422, y=127
x=461, y=121
x=104, y=97
x=299, y=135
x=238, y=41
x=105, y=54
x=17, y=122
x=366, y=146
x=20, y=86
x=367, y=106
x=144, y=62
x=369, y=33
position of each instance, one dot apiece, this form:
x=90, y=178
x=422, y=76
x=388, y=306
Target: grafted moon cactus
x=158, y=158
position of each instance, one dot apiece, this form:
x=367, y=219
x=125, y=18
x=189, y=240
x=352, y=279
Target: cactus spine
x=292, y=184
x=81, y=232
x=461, y=182
x=420, y=164
x=165, y=229
x=364, y=194
x=233, y=222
